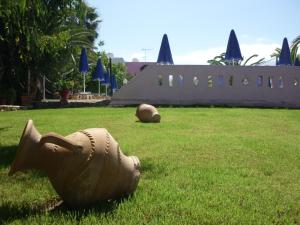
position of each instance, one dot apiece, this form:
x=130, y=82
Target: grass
x=199, y=166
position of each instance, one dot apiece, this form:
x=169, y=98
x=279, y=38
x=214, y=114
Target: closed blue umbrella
x=165, y=55
x=106, y=81
x=285, y=54
x=83, y=65
x=99, y=74
x=233, y=52
x=113, y=85
x=297, y=62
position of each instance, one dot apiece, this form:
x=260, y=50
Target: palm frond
x=276, y=53
x=247, y=60
x=296, y=42
x=259, y=62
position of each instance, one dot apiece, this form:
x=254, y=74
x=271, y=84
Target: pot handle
x=61, y=141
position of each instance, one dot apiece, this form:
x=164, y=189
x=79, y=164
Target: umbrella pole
x=83, y=82
x=105, y=90
x=44, y=88
x=99, y=87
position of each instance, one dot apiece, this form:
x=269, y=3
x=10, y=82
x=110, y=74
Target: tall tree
x=42, y=37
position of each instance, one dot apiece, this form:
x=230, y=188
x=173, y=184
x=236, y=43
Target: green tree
x=42, y=38
x=220, y=60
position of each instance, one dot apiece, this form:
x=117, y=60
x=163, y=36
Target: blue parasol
x=165, y=55
x=233, y=52
x=99, y=74
x=83, y=65
x=113, y=85
x=285, y=54
x=106, y=81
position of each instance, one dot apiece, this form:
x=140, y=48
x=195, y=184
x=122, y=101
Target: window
x=231, y=81
x=245, y=81
x=160, y=80
x=295, y=82
x=196, y=81
x=280, y=82
x=170, y=80
x=220, y=80
x=180, y=80
x=271, y=82
x=259, y=81
x=210, y=81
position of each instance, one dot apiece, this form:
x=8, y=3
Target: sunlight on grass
x=199, y=165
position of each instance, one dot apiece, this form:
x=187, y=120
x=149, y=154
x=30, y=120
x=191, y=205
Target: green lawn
x=199, y=166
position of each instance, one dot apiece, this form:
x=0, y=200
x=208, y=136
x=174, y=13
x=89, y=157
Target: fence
x=264, y=86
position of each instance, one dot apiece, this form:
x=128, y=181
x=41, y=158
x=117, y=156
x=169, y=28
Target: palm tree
x=220, y=60
x=40, y=37
x=294, y=51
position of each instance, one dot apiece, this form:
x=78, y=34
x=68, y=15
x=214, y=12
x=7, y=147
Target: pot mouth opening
x=156, y=118
x=25, y=133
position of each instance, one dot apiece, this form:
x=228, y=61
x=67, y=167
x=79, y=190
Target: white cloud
x=261, y=39
x=138, y=55
x=245, y=36
x=202, y=55
x=262, y=50
x=198, y=56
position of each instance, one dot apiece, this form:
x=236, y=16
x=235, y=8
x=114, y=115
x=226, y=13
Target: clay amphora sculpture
x=147, y=114
x=84, y=168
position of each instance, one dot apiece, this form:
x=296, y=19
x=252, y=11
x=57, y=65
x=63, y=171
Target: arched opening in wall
x=180, y=80
x=221, y=81
x=195, y=81
x=270, y=83
x=170, y=80
x=231, y=81
x=259, y=81
x=160, y=80
x=295, y=82
x=210, y=81
x=280, y=82
x=245, y=81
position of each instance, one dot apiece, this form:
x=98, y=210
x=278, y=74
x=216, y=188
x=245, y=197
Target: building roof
x=134, y=67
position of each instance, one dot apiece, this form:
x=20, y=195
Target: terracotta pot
x=147, y=114
x=64, y=95
x=26, y=100
x=84, y=168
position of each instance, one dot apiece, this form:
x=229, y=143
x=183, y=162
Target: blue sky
x=197, y=30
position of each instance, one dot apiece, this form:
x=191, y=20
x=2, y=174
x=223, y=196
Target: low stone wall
x=11, y=107
x=185, y=85
x=52, y=104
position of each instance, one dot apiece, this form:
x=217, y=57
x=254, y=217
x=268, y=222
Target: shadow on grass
x=56, y=207
x=151, y=169
x=7, y=155
x=4, y=129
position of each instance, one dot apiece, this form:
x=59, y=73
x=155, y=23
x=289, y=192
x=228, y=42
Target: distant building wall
x=264, y=86
x=133, y=68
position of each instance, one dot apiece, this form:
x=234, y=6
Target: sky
x=197, y=30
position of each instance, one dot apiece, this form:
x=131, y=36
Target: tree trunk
x=28, y=81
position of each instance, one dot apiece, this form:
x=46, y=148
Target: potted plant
x=26, y=100
x=64, y=87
